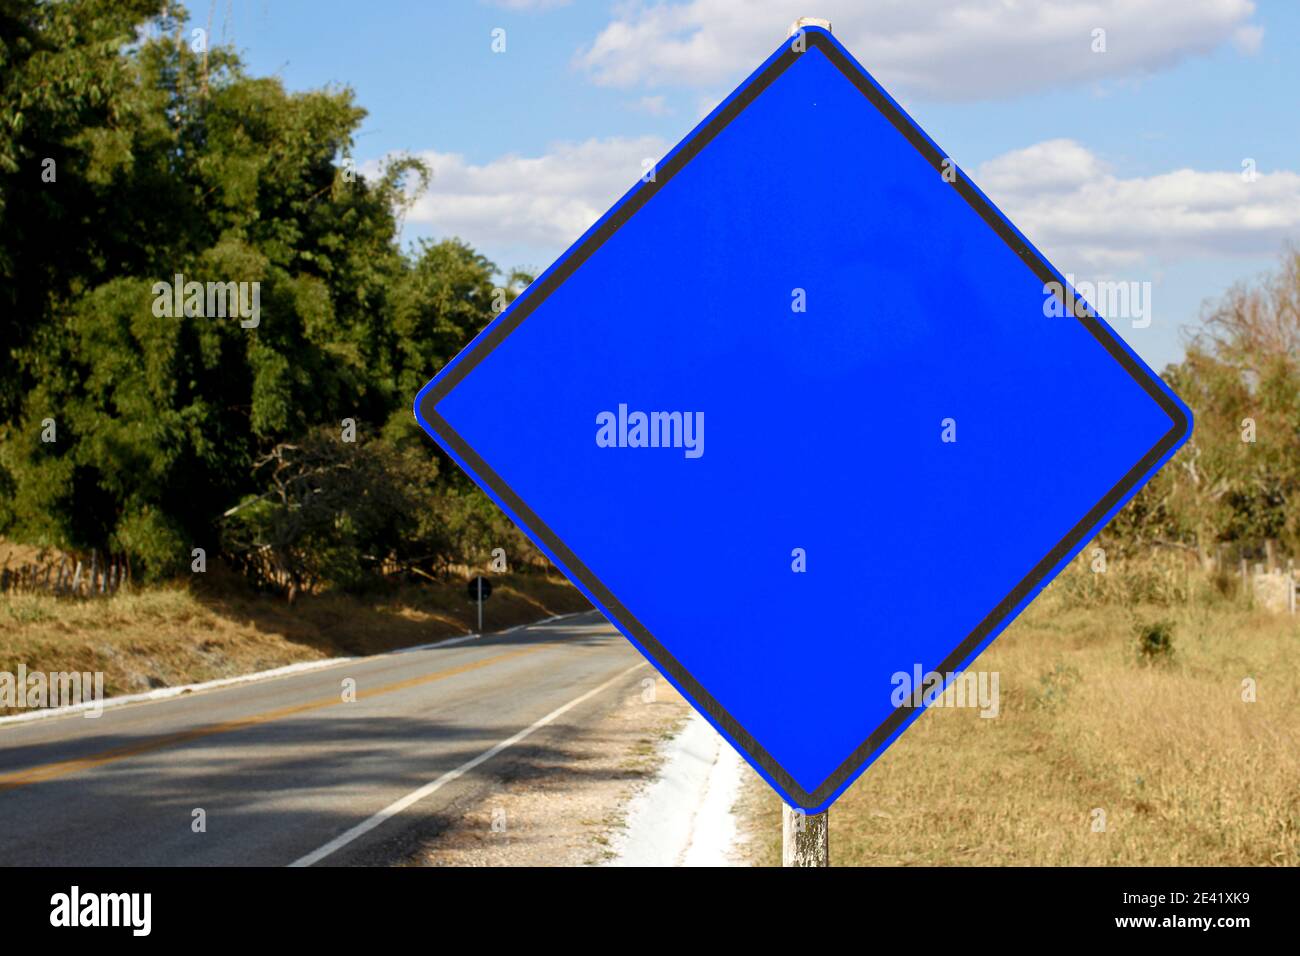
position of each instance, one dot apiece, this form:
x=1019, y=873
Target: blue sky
x=1121, y=165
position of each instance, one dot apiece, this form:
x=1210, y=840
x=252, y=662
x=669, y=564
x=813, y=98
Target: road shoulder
x=571, y=810
x=686, y=815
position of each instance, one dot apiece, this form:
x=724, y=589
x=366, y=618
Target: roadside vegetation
x=212, y=337
x=1105, y=751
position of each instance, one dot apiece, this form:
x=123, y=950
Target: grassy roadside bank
x=215, y=627
x=1185, y=771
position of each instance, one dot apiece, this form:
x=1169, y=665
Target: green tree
x=172, y=162
x=1237, y=480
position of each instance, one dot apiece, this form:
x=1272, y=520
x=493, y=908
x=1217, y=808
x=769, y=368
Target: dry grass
x=1186, y=772
x=215, y=627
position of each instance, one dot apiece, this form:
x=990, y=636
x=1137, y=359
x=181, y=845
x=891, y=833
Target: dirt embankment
x=215, y=627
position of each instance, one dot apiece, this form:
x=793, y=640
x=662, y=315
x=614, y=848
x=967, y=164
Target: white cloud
x=946, y=49
x=654, y=105
x=1064, y=197
x=1069, y=204
x=542, y=201
x=1248, y=39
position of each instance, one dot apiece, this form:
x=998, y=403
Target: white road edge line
x=166, y=693
x=393, y=809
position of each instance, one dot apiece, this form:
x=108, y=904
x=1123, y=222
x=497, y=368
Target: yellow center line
x=49, y=771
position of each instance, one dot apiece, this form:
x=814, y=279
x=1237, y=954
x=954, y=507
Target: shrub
x=1154, y=641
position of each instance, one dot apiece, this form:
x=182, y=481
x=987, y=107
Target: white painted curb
x=684, y=817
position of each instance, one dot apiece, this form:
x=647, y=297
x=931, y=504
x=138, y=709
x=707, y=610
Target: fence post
x=1290, y=580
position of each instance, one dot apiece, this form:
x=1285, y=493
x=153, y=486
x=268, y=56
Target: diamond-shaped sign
x=803, y=414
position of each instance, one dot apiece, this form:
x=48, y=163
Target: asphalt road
x=287, y=772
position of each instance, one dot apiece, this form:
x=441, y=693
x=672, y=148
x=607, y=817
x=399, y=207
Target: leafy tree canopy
x=128, y=159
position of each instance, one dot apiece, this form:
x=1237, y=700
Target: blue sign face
x=807, y=361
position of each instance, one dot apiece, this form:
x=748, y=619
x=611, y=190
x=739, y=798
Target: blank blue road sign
x=751, y=371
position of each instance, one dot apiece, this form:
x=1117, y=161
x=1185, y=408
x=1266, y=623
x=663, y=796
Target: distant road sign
x=479, y=588
x=896, y=383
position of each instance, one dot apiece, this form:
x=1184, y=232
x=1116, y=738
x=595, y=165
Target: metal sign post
x=805, y=837
x=480, y=588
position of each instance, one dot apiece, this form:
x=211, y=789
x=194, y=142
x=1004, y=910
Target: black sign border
x=814, y=39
